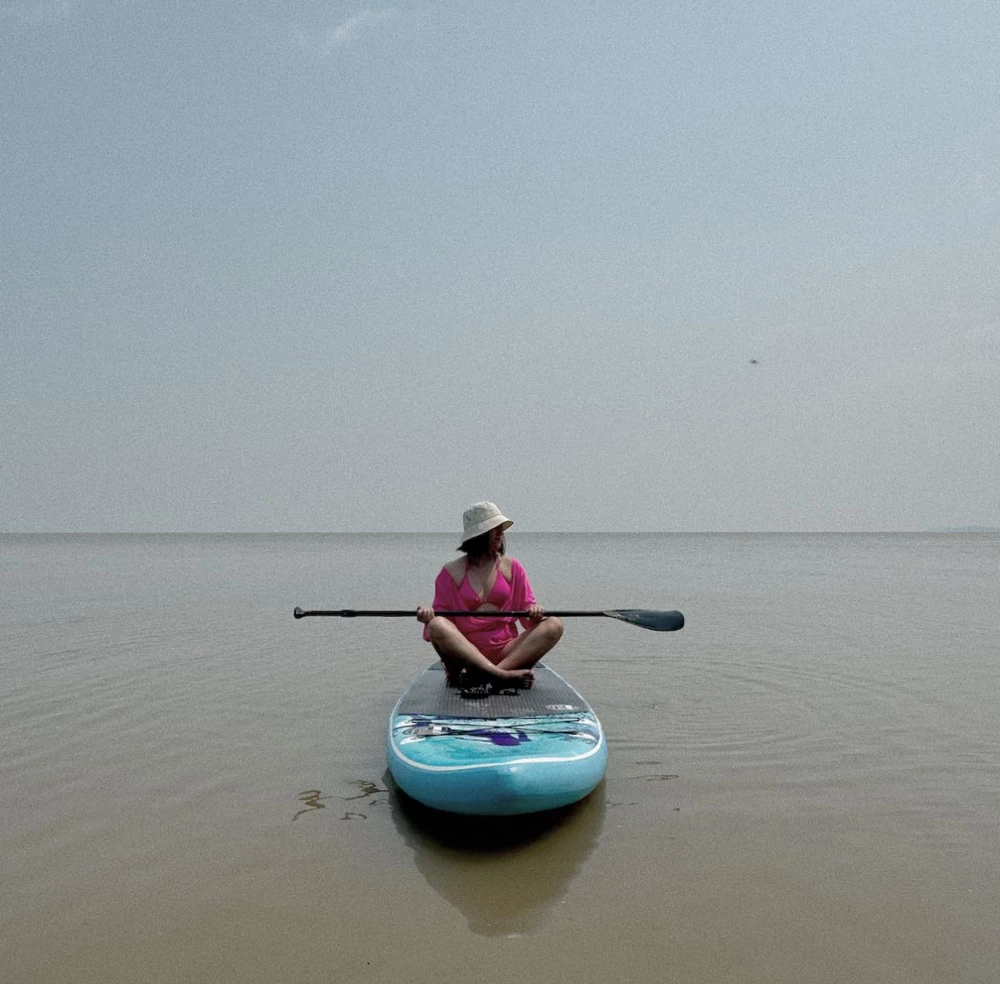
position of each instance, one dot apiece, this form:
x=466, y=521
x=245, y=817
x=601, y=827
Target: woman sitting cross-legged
x=487, y=649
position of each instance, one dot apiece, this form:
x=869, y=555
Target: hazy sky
x=350, y=266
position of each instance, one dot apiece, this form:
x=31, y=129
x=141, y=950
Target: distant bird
x=753, y=362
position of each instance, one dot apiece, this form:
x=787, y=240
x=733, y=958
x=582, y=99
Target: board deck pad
x=550, y=695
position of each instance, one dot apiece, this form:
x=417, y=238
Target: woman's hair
x=479, y=546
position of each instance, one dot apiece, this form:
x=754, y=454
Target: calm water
x=803, y=784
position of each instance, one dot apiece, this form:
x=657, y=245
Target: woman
x=484, y=580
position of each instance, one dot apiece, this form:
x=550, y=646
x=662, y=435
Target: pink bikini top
x=499, y=595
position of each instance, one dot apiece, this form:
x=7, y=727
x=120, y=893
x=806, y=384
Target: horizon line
x=685, y=532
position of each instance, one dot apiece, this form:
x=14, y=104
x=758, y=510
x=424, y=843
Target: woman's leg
x=458, y=654
x=529, y=647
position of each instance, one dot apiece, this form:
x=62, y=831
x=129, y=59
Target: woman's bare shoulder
x=456, y=568
x=507, y=566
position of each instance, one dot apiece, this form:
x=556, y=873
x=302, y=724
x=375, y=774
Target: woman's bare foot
x=522, y=679
x=465, y=678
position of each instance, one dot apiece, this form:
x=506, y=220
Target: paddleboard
x=497, y=754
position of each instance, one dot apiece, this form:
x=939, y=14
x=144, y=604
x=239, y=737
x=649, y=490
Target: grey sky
x=348, y=266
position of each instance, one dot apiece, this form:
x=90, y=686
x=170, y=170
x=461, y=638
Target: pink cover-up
x=488, y=635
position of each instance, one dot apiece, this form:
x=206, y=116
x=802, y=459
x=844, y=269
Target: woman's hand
x=424, y=614
x=536, y=613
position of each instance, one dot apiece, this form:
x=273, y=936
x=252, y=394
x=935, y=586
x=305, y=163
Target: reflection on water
x=313, y=799
x=366, y=788
x=504, y=874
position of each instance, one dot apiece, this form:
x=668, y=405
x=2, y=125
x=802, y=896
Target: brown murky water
x=802, y=785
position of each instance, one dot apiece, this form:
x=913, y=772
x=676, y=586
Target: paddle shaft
x=352, y=613
x=657, y=621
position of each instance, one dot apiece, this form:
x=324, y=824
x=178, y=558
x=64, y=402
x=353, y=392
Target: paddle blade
x=657, y=621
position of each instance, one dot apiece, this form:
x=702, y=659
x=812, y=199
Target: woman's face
x=496, y=539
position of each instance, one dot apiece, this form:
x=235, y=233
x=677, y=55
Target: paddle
x=657, y=621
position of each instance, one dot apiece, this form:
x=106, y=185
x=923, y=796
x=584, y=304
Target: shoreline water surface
x=802, y=783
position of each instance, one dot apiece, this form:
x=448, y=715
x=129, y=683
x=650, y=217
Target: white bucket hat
x=481, y=517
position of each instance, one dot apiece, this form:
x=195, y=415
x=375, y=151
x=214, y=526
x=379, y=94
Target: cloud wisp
x=322, y=41
x=353, y=26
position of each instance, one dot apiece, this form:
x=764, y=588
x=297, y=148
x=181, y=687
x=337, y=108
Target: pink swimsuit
x=488, y=635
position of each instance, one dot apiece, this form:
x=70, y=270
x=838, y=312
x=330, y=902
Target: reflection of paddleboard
x=518, y=751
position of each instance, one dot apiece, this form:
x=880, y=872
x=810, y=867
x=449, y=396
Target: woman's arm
x=522, y=597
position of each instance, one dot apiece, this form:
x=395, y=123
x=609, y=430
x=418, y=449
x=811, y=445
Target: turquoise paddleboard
x=495, y=754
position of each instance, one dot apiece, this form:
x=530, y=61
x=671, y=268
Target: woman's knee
x=439, y=629
x=553, y=627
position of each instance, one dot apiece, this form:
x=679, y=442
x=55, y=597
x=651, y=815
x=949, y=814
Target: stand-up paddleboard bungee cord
x=645, y=619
